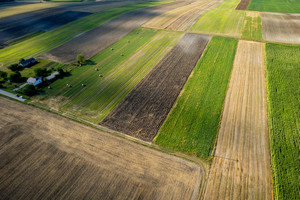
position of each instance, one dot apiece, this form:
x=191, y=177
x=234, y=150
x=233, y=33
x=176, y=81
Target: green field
x=193, y=122
x=141, y=50
x=285, y=6
x=226, y=21
x=51, y=39
x=283, y=81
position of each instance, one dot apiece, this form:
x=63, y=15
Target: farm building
x=34, y=80
x=28, y=62
x=52, y=76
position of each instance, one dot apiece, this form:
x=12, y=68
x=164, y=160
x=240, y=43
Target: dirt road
x=145, y=108
x=241, y=166
x=281, y=27
x=45, y=156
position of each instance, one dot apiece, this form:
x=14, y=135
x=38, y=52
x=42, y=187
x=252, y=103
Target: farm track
x=145, y=108
x=241, y=164
x=281, y=27
x=45, y=156
x=182, y=18
x=96, y=40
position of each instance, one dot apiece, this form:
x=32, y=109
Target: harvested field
x=51, y=21
x=241, y=164
x=45, y=156
x=280, y=27
x=183, y=17
x=145, y=108
x=243, y=5
x=96, y=40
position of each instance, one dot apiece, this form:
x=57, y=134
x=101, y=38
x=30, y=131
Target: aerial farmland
x=150, y=99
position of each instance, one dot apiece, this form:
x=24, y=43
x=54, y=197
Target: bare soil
x=145, y=108
x=45, y=156
x=243, y=5
x=281, y=27
x=241, y=165
x=41, y=23
x=98, y=39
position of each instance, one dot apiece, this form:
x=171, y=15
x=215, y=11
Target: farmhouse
x=28, y=62
x=34, y=80
x=52, y=76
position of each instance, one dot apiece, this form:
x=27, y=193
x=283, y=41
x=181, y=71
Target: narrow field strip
x=281, y=6
x=226, y=21
x=243, y=5
x=145, y=108
x=281, y=27
x=120, y=74
x=46, y=156
x=193, y=122
x=49, y=40
x=283, y=80
x=182, y=18
x=241, y=165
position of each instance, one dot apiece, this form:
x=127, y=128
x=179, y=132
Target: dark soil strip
x=40, y=24
x=145, y=108
x=98, y=39
x=243, y=5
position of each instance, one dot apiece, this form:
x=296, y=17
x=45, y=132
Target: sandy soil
x=243, y=5
x=281, y=27
x=96, y=40
x=183, y=17
x=241, y=165
x=45, y=156
x=145, y=108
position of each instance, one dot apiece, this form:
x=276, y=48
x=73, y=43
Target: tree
x=80, y=59
x=15, y=77
x=28, y=90
x=21, y=60
x=40, y=72
x=15, y=67
x=3, y=75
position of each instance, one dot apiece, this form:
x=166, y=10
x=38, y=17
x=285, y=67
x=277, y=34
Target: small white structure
x=34, y=80
x=52, y=76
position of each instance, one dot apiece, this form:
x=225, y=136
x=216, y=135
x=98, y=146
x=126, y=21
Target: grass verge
x=283, y=80
x=193, y=122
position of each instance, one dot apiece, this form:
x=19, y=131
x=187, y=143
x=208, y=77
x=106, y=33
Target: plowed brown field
x=182, y=18
x=241, y=166
x=281, y=27
x=45, y=156
x=145, y=108
x=243, y=5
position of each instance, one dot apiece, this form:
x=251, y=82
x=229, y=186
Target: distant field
x=49, y=40
x=285, y=6
x=13, y=10
x=283, y=80
x=193, y=123
x=226, y=21
x=120, y=74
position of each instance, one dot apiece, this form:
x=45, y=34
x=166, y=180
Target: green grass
x=141, y=50
x=226, y=21
x=285, y=6
x=283, y=81
x=193, y=122
x=252, y=28
x=23, y=38
x=51, y=39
